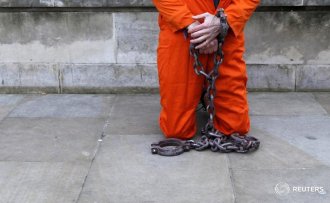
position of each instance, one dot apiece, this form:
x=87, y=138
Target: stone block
x=137, y=36
x=57, y=37
x=76, y=3
x=271, y=77
x=313, y=77
x=109, y=75
x=103, y=3
x=94, y=3
x=22, y=75
x=129, y=3
x=4, y=3
x=288, y=38
x=137, y=3
x=282, y=3
x=317, y=2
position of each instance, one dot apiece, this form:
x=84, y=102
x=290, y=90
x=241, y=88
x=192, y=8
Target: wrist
x=223, y=24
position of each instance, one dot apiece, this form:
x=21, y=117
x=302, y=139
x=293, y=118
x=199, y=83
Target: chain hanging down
x=211, y=138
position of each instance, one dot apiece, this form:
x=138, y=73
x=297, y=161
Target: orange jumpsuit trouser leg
x=180, y=87
x=231, y=104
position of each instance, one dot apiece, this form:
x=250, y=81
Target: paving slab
x=41, y=182
x=259, y=185
x=314, y=77
x=126, y=171
x=8, y=103
x=324, y=99
x=284, y=104
x=46, y=139
x=308, y=133
x=134, y=114
x=65, y=106
x=274, y=153
x=10, y=99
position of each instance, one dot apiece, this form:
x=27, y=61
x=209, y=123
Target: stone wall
x=100, y=46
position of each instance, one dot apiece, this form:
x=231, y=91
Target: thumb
x=200, y=16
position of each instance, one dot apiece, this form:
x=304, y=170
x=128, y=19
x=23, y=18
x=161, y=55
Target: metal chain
x=211, y=138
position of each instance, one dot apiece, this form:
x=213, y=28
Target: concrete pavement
x=96, y=148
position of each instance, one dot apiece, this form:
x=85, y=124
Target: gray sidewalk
x=96, y=148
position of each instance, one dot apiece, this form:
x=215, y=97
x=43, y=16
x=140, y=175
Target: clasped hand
x=204, y=34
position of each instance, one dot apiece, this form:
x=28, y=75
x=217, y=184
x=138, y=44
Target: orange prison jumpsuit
x=181, y=88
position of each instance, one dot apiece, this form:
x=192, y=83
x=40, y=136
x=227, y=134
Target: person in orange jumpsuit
x=180, y=87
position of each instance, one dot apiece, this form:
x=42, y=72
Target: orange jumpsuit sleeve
x=239, y=12
x=175, y=13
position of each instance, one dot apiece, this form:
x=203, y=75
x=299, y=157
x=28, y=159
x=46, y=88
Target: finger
x=197, y=28
x=200, y=16
x=212, y=44
x=214, y=41
x=199, y=39
x=209, y=46
x=199, y=33
x=202, y=45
